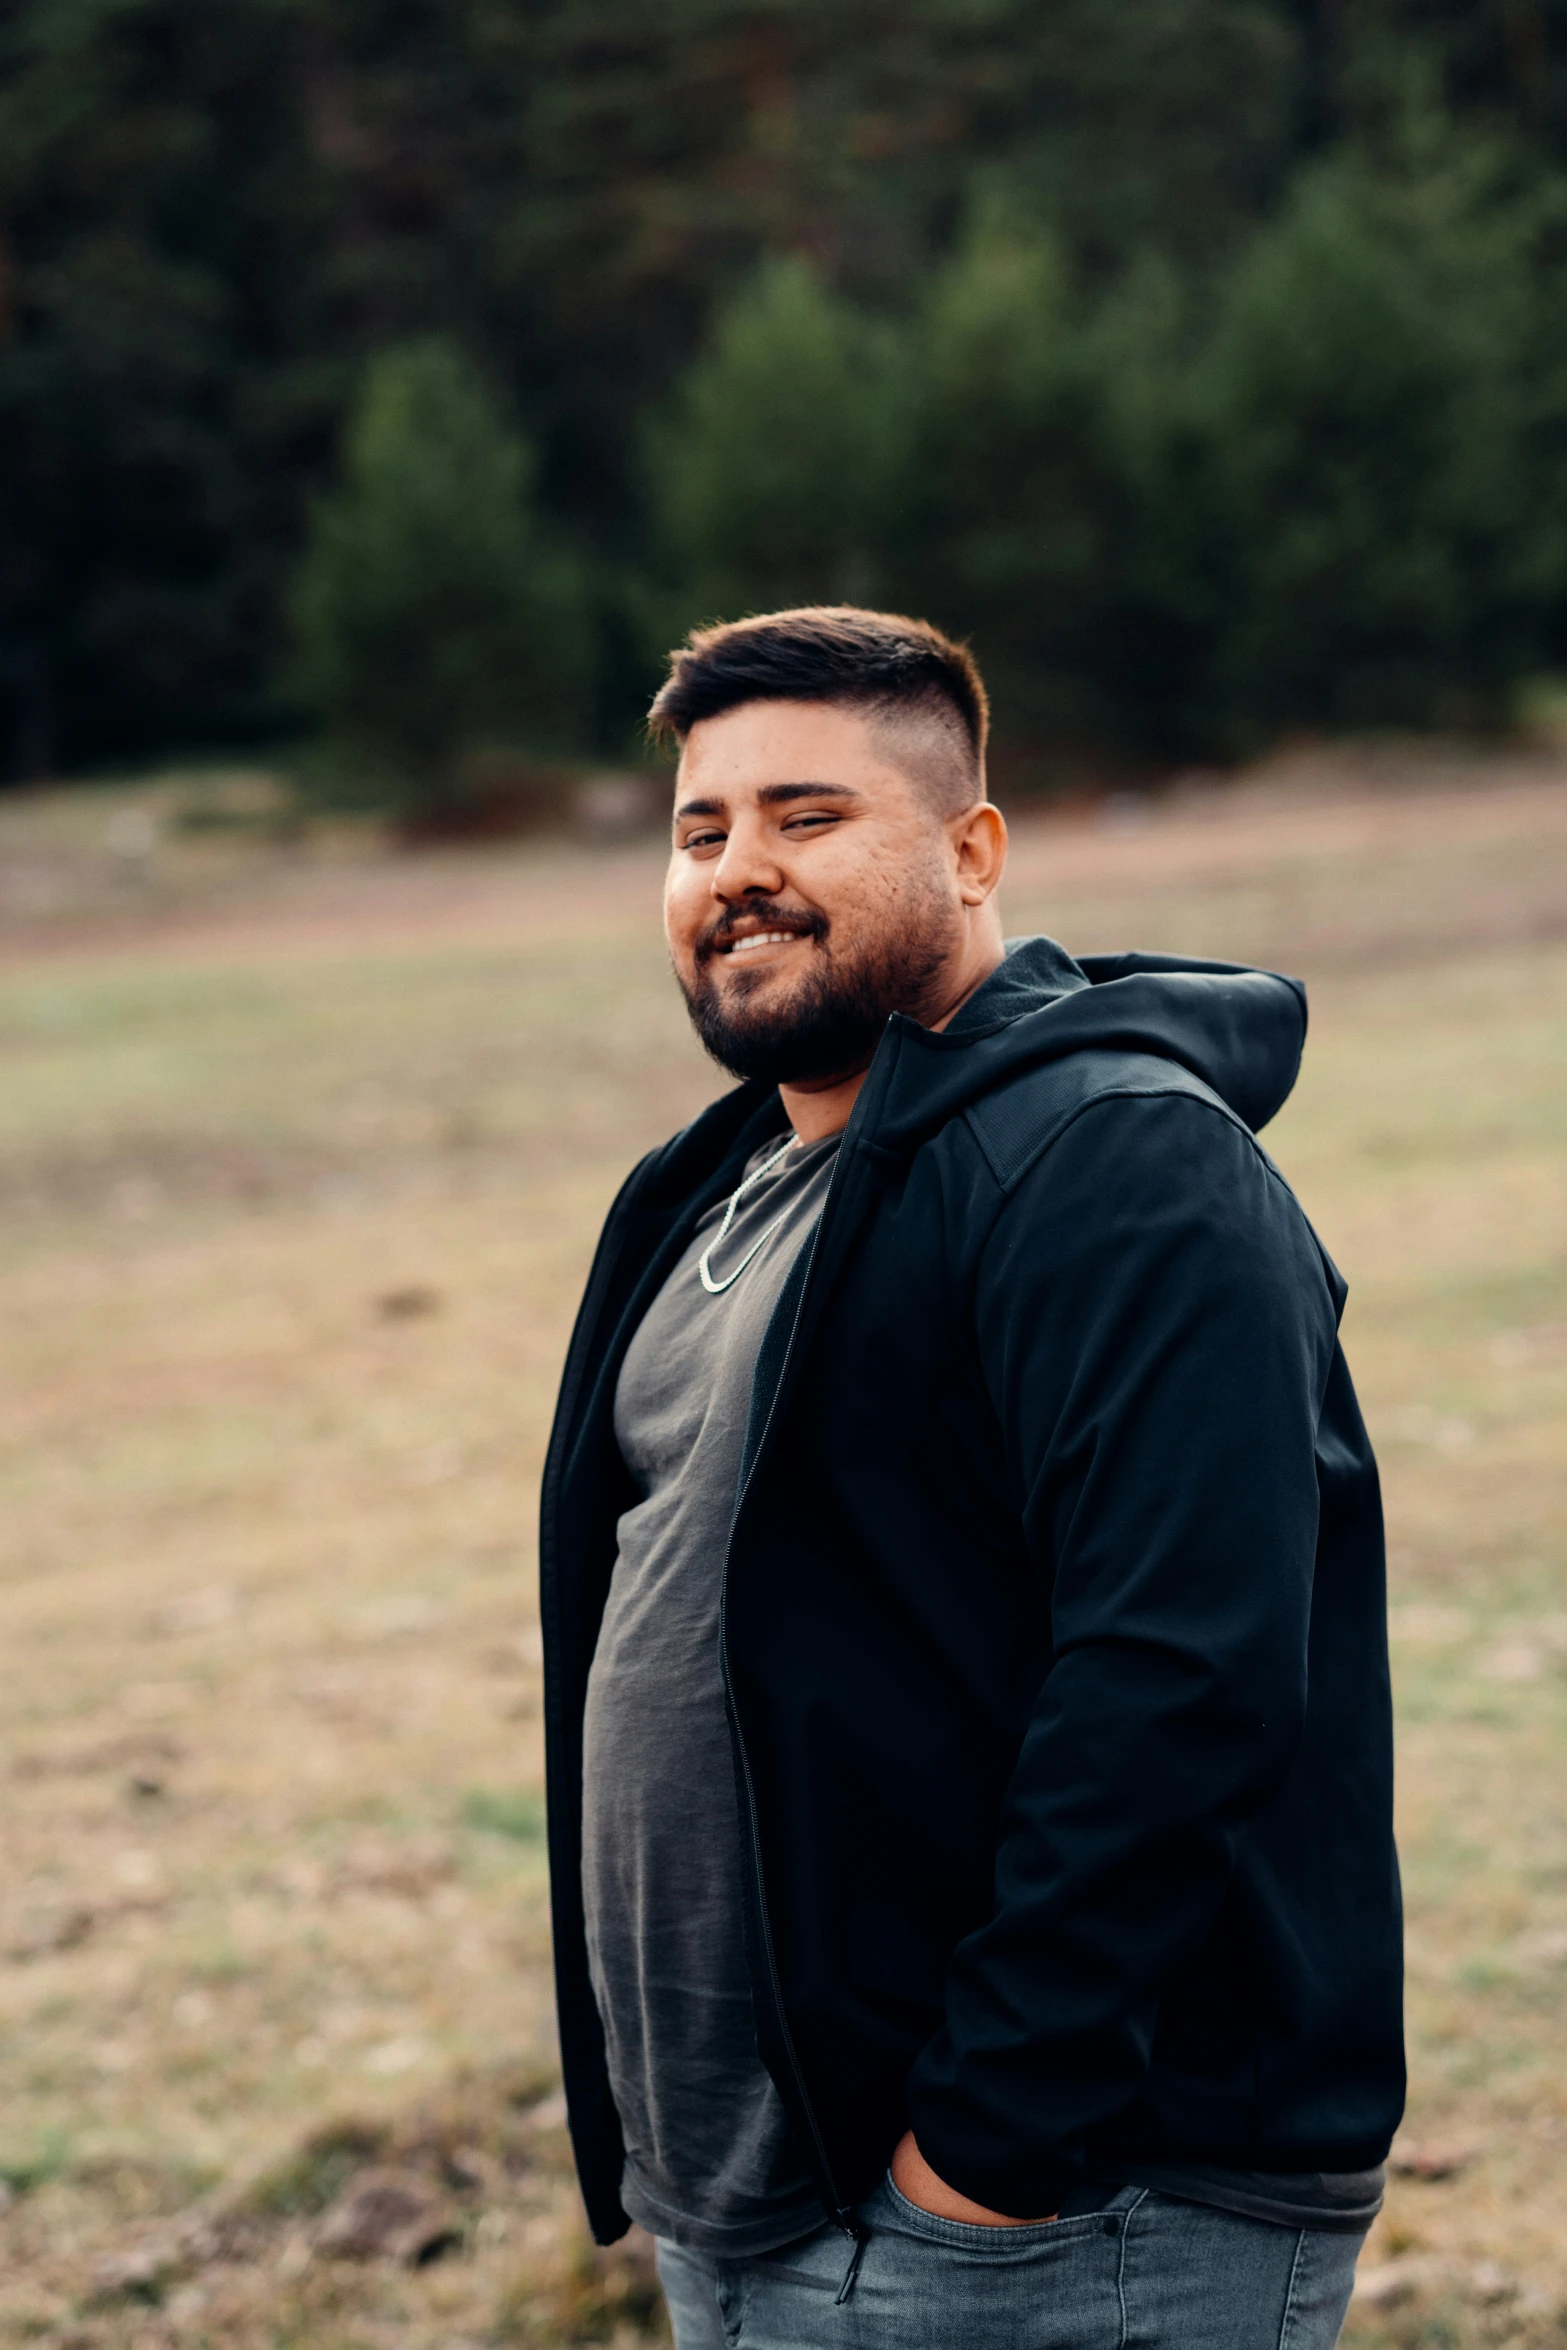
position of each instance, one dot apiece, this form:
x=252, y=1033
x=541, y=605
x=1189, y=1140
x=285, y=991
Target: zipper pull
x=862, y=2236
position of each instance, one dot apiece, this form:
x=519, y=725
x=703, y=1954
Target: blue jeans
x=1145, y=2273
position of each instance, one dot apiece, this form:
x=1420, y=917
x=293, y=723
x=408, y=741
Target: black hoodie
x=1054, y=1618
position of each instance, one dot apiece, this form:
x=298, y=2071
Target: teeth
x=762, y=938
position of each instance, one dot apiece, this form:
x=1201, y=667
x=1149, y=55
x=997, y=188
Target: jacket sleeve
x=1157, y=1329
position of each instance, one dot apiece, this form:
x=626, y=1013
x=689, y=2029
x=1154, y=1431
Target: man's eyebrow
x=774, y=795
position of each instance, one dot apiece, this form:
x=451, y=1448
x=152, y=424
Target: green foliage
x=1002, y=521
x=1327, y=486
x=773, y=475
x=432, y=608
x=1393, y=523
x=1134, y=430
x=164, y=382
x=50, y=2157
x=1045, y=443
x=513, y=1813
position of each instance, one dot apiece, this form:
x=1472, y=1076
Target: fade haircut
x=921, y=691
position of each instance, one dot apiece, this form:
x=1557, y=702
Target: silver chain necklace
x=704, y=1264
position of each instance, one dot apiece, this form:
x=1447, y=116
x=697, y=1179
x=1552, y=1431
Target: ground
x=305, y=1143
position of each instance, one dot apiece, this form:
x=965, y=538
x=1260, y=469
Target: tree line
x=415, y=372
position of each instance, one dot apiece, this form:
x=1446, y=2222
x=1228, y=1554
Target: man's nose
x=749, y=866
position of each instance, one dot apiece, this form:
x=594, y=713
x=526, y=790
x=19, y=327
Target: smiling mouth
x=760, y=938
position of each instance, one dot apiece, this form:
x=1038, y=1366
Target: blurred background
x=383, y=388
x=414, y=374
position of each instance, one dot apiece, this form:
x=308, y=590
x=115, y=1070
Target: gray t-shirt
x=710, y=2160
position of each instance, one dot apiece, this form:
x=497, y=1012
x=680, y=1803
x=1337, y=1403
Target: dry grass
x=304, y=1148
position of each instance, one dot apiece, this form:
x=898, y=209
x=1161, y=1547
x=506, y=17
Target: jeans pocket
x=927, y=2283
x=889, y=2206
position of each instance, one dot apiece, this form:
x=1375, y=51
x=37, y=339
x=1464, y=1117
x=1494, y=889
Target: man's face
x=812, y=891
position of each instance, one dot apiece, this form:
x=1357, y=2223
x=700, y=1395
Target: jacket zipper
x=844, y=2216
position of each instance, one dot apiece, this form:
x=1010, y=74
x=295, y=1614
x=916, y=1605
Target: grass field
x=303, y=1148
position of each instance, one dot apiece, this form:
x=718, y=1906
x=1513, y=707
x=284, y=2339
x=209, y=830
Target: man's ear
x=979, y=842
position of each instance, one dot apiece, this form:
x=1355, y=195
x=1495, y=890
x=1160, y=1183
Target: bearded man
x=976, y=1912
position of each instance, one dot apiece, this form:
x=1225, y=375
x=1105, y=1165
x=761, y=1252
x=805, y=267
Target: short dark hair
x=882, y=662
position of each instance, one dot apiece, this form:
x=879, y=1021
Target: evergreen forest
x=413, y=372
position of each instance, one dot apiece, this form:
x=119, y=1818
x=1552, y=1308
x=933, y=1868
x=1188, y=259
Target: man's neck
x=816, y=1109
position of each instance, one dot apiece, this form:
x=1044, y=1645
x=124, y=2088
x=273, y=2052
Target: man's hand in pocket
x=919, y=2185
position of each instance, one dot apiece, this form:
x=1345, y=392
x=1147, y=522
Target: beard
x=831, y=1022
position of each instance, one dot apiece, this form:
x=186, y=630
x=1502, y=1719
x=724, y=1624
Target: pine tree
x=432, y=610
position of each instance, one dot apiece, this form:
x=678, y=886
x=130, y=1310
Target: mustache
x=797, y=919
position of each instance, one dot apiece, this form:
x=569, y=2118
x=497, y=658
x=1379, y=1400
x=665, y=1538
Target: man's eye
x=703, y=840
x=809, y=823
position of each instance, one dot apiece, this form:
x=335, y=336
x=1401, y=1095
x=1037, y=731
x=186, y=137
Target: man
x=977, y=1920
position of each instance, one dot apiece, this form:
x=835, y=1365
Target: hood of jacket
x=1241, y=1031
